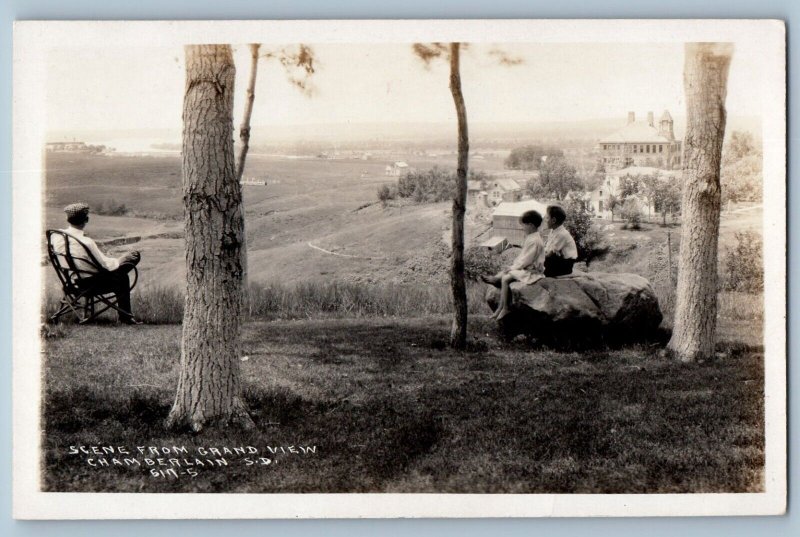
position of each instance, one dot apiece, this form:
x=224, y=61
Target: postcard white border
x=32, y=39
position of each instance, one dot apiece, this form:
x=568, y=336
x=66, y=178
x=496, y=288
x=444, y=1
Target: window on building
x=661, y=148
x=600, y=205
x=601, y=193
x=635, y=148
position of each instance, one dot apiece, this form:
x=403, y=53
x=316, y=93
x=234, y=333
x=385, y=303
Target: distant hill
x=360, y=135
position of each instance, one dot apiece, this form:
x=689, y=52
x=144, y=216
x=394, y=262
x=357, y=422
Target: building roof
x=507, y=184
x=401, y=164
x=636, y=132
x=665, y=116
x=494, y=242
x=517, y=208
x=473, y=185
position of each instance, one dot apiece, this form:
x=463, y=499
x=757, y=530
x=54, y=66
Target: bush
x=433, y=185
x=386, y=193
x=479, y=262
x=744, y=264
x=110, y=208
x=581, y=226
x=429, y=186
x=631, y=214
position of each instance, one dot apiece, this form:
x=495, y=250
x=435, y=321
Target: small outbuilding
x=505, y=219
x=495, y=244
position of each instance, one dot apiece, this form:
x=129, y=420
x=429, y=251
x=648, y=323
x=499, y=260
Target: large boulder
x=582, y=308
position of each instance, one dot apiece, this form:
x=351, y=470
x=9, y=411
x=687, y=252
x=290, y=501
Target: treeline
x=427, y=186
x=531, y=157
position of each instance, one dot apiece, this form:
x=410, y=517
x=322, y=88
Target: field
x=346, y=351
x=317, y=219
x=328, y=204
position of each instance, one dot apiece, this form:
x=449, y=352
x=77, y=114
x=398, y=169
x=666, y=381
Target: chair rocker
x=74, y=267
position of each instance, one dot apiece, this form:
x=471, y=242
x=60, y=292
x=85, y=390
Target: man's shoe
x=130, y=320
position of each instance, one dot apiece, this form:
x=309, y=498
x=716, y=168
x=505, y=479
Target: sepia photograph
x=337, y=267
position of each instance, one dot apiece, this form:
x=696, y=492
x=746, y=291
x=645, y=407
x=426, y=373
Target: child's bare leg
x=494, y=280
x=505, y=296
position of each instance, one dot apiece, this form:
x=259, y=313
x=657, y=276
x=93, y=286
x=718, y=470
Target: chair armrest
x=135, y=278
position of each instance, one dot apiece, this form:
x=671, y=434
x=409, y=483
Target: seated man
x=560, y=252
x=116, y=280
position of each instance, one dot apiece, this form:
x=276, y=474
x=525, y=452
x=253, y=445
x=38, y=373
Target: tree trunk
x=244, y=137
x=705, y=83
x=244, y=128
x=458, y=334
x=209, y=384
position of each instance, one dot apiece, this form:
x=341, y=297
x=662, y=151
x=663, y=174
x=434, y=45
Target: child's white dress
x=528, y=267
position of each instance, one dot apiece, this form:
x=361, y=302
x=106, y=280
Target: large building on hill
x=642, y=143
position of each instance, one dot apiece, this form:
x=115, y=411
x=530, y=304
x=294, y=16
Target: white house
x=500, y=190
x=599, y=198
x=398, y=168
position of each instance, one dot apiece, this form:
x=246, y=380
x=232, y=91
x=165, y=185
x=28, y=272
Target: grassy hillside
x=390, y=408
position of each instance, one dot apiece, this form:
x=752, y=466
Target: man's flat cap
x=75, y=209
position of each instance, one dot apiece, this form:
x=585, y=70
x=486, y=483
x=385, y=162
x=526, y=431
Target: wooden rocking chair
x=74, y=267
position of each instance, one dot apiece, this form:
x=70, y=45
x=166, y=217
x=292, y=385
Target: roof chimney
x=650, y=118
x=631, y=117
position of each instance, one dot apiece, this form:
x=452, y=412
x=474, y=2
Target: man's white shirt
x=561, y=242
x=109, y=263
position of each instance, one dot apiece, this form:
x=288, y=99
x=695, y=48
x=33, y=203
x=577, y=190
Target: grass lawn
x=388, y=407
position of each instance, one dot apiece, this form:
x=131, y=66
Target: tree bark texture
x=705, y=82
x=244, y=137
x=458, y=334
x=209, y=384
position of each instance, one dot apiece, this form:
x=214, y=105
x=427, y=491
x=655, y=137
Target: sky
x=115, y=88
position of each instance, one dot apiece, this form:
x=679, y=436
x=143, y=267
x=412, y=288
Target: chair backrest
x=72, y=262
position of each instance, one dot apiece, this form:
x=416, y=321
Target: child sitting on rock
x=528, y=267
x=560, y=251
